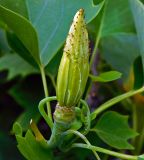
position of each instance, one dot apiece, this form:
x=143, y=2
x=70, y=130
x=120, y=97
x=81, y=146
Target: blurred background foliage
x=116, y=29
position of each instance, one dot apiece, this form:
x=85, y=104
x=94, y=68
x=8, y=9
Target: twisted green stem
x=102, y=150
x=115, y=100
x=83, y=138
x=43, y=112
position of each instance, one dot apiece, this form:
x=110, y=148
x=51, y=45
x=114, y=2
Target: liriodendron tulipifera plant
x=71, y=82
x=72, y=77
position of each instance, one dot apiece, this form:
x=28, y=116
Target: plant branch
x=42, y=110
x=115, y=100
x=102, y=150
x=85, y=140
x=46, y=91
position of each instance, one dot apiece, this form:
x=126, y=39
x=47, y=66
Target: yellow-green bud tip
x=74, y=67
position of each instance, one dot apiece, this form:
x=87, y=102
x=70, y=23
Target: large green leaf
x=30, y=148
x=51, y=20
x=51, y=69
x=114, y=29
x=114, y=130
x=116, y=18
x=23, y=29
x=137, y=8
x=117, y=30
x=15, y=66
x=120, y=50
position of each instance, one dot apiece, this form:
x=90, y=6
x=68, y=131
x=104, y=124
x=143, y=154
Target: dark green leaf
x=19, y=48
x=117, y=18
x=120, y=50
x=114, y=130
x=23, y=29
x=32, y=149
x=114, y=27
x=15, y=66
x=106, y=76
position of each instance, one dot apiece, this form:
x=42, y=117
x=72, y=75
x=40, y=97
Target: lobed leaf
x=32, y=149
x=114, y=130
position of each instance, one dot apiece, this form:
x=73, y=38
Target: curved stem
x=42, y=110
x=46, y=91
x=115, y=100
x=87, y=118
x=83, y=138
x=102, y=150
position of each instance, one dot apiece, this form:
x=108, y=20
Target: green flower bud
x=74, y=67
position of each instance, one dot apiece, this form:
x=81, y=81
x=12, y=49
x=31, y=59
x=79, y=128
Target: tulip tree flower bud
x=74, y=67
